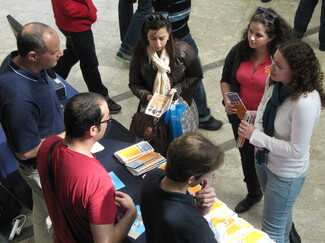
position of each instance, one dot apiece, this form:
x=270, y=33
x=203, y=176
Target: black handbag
x=151, y=129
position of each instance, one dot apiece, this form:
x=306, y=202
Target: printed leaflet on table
x=140, y=158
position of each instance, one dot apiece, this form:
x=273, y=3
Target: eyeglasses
x=277, y=66
x=270, y=16
x=108, y=120
x=156, y=16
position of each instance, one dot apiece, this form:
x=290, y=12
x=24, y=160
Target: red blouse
x=252, y=82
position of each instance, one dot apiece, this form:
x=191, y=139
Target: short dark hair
x=307, y=74
x=81, y=112
x=31, y=38
x=192, y=155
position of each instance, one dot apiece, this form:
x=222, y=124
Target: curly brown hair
x=277, y=27
x=307, y=74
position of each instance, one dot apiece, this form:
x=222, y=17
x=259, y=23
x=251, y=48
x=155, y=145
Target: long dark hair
x=154, y=21
x=307, y=74
x=274, y=24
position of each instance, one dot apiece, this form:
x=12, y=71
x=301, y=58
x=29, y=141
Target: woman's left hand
x=171, y=93
x=245, y=129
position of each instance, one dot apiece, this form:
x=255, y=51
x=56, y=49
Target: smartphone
x=237, y=102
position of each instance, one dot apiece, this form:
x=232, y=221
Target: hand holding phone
x=237, y=102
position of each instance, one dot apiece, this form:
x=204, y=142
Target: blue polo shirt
x=29, y=107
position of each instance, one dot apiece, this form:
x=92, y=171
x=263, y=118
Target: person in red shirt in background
x=245, y=71
x=74, y=19
x=80, y=197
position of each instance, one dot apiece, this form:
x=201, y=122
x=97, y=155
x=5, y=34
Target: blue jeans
x=303, y=15
x=280, y=194
x=199, y=91
x=80, y=46
x=130, y=24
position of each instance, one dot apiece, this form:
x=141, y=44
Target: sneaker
x=123, y=57
x=212, y=124
x=113, y=106
x=265, y=1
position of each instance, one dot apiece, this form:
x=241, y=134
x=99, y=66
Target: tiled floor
x=216, y=26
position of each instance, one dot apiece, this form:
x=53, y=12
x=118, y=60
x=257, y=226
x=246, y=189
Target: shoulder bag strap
x=51, y=177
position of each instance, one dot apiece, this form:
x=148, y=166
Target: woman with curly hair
x=245, y=72
x=285, y=120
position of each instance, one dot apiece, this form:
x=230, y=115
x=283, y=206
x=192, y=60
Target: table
x=118, y=137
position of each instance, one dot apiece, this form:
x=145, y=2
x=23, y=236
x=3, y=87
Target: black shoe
x=322, y=47
x=123, y=57
x=247, y=203
x=113, y=106
x=212, y=124
x=265, y=1
x=294, y=236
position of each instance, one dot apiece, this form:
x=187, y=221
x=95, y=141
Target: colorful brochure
x=159, y=104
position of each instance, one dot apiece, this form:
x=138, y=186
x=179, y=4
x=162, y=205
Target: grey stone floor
x=216, y=26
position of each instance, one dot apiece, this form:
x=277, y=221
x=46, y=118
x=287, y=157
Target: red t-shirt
x=84, y=191
x=252, y=82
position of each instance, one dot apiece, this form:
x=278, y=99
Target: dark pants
x=130, y=24
x=199, y=91
x=303, y=15
x=80, y=47
x=247, y=155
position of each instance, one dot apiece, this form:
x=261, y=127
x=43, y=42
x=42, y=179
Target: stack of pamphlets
x=140, y=158
x=228, y=227
x=249, y=117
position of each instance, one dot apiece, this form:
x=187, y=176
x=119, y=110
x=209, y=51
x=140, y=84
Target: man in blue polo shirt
x=30, y=110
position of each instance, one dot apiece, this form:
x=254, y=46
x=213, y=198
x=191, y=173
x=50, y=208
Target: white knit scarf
x=162, y=82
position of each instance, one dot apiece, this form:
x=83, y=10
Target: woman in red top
x=245, y=72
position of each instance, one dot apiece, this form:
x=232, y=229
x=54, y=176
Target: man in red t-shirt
x=81, y=199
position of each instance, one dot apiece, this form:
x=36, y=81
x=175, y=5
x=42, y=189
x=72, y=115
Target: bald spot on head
x=32, y=38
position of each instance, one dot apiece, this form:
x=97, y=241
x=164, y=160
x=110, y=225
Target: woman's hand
x=245, y=129
x=171, y=92
x=149, y=97
x=230, y=108
x=259, y=148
